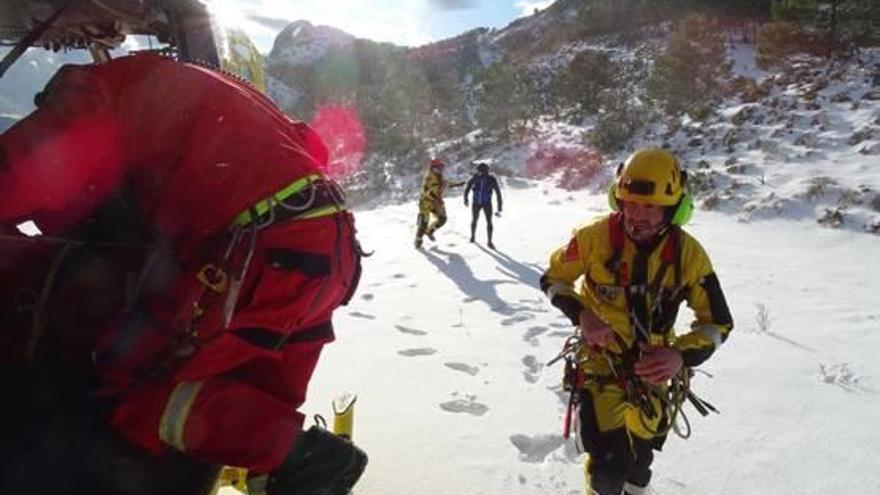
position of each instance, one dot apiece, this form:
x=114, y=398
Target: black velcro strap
x=269, y=339
x=309, y=264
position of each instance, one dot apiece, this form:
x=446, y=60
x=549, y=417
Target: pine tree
x=688, y=76
x=841, y=24
x=588, y=74
x=503, y=99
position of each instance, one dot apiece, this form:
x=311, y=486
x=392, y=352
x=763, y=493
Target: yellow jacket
x=582, y=274
x=433, y=187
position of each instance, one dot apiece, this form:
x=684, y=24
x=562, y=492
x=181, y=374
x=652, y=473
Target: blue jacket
x=482, y=185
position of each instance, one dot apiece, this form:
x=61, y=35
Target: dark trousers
x=475, y=215
x=616, y=456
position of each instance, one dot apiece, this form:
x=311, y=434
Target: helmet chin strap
x=668, y=215
x=667, y=225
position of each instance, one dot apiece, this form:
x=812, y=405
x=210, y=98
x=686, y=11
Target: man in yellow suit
x=431, y=201
x=638, y=266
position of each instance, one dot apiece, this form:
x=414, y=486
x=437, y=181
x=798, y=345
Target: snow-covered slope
x=808, y=147
x=805, y=145
x=446, y=349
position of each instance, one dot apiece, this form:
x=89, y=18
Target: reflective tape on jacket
x=173, y=422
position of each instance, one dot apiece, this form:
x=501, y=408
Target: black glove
x=320, y=463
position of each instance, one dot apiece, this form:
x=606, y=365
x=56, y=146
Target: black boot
x=320, y=463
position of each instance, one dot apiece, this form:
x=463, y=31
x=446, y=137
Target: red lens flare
x=578, y=166
x=340, y=127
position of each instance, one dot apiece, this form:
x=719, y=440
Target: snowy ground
x=446, y=349
x=446, y=346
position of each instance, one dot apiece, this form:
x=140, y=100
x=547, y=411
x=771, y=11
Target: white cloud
x=527, y=7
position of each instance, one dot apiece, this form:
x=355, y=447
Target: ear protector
x=684, y=209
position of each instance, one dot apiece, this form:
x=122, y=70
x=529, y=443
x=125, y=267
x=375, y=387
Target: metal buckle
x=213, y=278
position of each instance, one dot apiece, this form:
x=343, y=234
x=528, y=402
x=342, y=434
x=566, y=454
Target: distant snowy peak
x=302, y=43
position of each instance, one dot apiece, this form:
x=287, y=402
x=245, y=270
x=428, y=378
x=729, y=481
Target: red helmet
x=437, y=163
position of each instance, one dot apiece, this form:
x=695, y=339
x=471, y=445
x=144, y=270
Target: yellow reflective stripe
x=323, y=212
x=264, y=205
x=171, y=426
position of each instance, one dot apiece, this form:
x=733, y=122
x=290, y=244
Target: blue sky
x=403, y=22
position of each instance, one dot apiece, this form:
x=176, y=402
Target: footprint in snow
x=421, y=351
x=411, y=331
x=358, y=314
x=533, y=368
x=841, y=375
x=560, y=325
x=367, y=297
x=536, y=448
x=467, y=406
x=399, y=275
x=465, y=368
x=559, y=333
x=532, y=333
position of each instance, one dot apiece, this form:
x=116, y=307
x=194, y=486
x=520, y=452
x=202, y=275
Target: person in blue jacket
x=482, y=184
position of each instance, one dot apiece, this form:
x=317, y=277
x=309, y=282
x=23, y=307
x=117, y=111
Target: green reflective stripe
x=171, y=426
x=263, y=206
x=323, y=212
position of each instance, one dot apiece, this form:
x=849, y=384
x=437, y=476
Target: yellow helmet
x=650, y=175
x=653, y=176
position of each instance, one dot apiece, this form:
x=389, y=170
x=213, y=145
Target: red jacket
x=196, y=147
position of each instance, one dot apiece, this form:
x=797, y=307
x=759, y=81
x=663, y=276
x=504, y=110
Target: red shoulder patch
x=572, y=251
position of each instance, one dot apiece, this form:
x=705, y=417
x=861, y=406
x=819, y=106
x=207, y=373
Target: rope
x=671, y=399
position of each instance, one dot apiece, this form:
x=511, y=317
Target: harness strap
x=615, y=235
x=636, y=286
x=321, y=198
x=272, y=340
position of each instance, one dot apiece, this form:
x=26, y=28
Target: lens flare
x=340, y=127
x=578, y=165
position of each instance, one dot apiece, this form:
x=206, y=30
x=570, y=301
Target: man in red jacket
x=215, y=356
